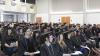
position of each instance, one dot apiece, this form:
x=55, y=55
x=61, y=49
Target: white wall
x=75, y=18
x=18, y=7
x=93, y=18
x=45, y=17
x=93, y=4
x=67, y=5
x=48, y=8
x=42, y=6
x=42, y=10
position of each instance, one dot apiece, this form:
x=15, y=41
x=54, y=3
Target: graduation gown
x=52, y=50
x=27, y=45
x=70, y=45
x=76, y=42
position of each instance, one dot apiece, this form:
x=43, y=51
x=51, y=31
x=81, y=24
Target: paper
x=76, y=53
x=37, y=52
x=66, y=54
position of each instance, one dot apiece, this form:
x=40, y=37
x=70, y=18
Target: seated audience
x=49, y=39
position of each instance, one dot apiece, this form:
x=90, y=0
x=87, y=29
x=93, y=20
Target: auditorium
x=49, y=27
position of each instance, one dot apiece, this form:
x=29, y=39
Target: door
x=38, y=19
x=65, y=19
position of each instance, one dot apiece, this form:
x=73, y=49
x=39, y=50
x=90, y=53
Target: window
x=29, y=1
x=2, y=1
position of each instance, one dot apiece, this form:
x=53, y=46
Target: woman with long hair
x=63, y=45
x=10, y=43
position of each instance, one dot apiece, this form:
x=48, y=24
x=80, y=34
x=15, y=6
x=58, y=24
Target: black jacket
x=23, y=46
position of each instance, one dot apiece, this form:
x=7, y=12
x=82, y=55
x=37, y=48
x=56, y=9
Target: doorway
x=38, y=19
x=65, y=19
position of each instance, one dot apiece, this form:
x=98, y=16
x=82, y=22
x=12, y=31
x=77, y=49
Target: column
x=1, y=15
x=84, y=12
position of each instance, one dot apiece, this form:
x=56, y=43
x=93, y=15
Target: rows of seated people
x=47, y=39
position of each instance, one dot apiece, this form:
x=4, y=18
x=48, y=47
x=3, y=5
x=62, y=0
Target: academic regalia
x=27, y=45
x=76, y=42
x=20, y=36
x=64, y=29
x=64, y=49
x=97, y=31
x=51, y=50
x=70, y=45
x=2, y=40
x=94, y=30
x=10, y=50
x=83, y=37
x=97, y=40
x=88, y=33
x=0, y=36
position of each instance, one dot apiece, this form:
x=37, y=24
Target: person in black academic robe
x=94, y=30
x=63, y=46
x=49, y=49
x=0, y=36
x=97, y=30
x=76, y=41
x=97, y=40
x=27, y=45
x=20, y=33
x=10, y=44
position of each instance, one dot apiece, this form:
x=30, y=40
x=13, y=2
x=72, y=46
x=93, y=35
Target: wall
x=93, y=18
x=75, y=18
x=42, y=6
x=45, y=17
x=47, y=8
x=22, y=17
x=93, y=4
x=80, y=11
x=67, y=5
x=43, y=10
x=17, y=6
x=67, y=8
